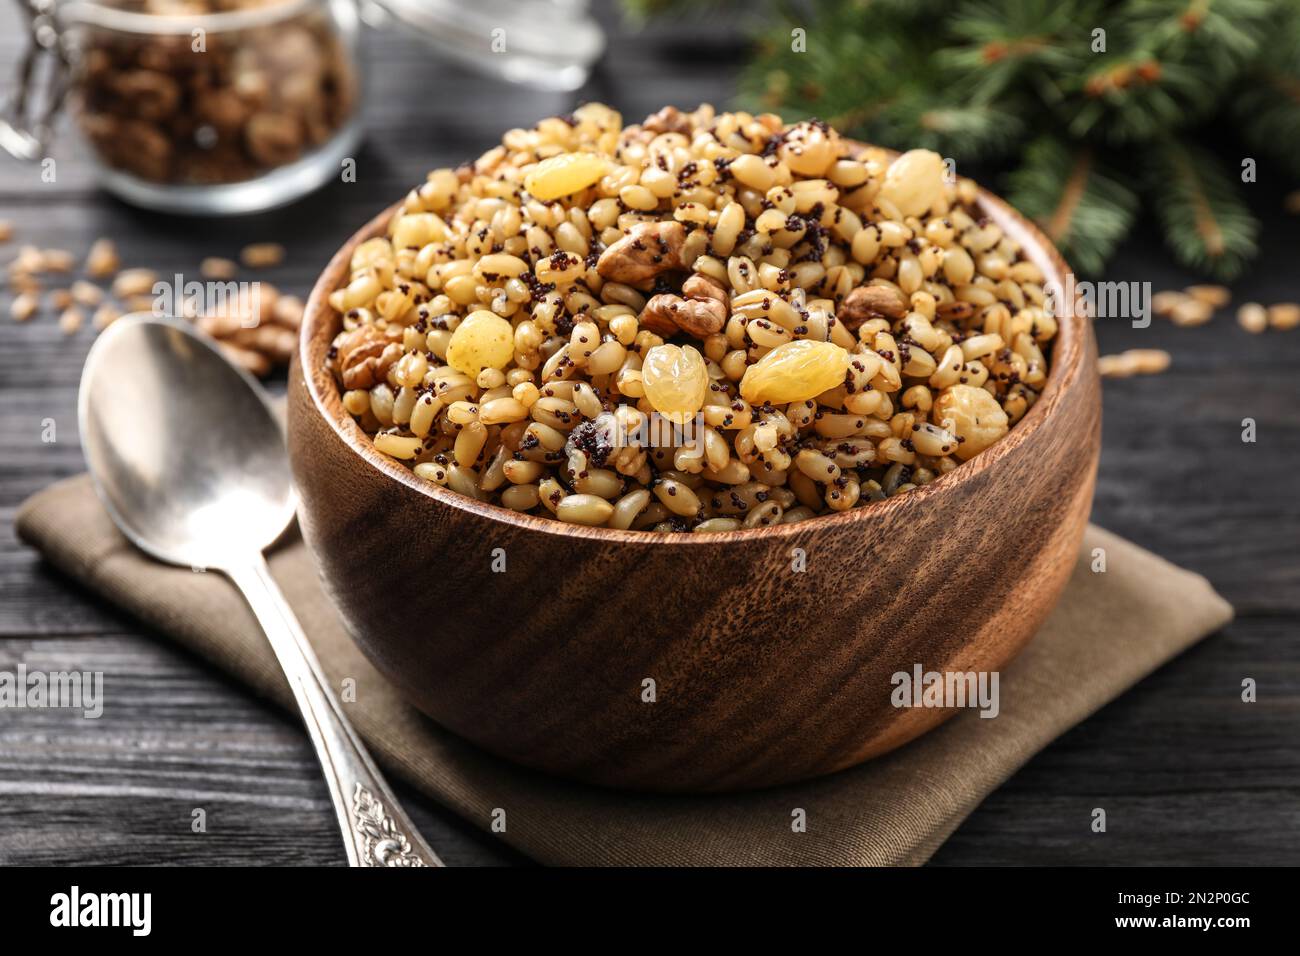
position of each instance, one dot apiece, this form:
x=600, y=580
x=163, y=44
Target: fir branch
x=1168, y=65
x=1137, y=98
x=999, y=42
x=1268, y=108
x=1267, y=102
x=1206, y=224
x=1223, y=34
x=1084, y=210
x=878, y=84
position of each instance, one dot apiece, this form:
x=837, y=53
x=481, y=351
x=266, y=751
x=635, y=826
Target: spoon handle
x=375, y=830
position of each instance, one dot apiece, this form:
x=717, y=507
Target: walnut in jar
x=273, y=139
x=244, y=102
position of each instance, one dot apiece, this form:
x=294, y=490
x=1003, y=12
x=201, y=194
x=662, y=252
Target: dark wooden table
x=1187, y=772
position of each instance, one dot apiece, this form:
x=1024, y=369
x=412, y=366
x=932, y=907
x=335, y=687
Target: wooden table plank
x=173, y=737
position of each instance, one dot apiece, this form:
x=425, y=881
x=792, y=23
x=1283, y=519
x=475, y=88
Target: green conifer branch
x=1206, y=224
x=1074, y=199
x=975, y=79
x=1267, y=100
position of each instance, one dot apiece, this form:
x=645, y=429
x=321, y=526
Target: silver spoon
x=189, y=459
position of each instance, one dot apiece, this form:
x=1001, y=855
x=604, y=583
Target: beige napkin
x=1110, y=630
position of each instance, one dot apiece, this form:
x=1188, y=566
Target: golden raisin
x=564, y=175
x=675, y=381
x=795, y=372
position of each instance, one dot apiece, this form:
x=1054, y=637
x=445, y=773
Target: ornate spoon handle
x=375, y=830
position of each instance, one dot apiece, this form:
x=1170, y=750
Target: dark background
x=1187, y=773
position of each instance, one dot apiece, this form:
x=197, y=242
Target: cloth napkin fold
x=1108, y=631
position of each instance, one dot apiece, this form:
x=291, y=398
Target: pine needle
x=1223, y=34
x=1080, y=207
x=1001, y=41
x=1205, y=222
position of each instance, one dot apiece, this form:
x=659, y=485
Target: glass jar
x=232, y=106
x=205, y=106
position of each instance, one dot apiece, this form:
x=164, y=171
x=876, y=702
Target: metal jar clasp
x=27, y=117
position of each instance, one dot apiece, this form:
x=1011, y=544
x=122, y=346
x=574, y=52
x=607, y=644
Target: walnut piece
x=273, y=139
x=700, y=311
x=666, y=314
x=153, y=96
x=870, y=302
x=648, y=249
x=260, y=333
x=700, y=286
x=657, y=316
x=668, y=120
x=364, y=356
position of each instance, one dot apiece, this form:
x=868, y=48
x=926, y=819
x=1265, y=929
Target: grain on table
x=262, y=255
x=1134, y=362
x=218, y=269
x=1284, y=315
x=71, y=320
x=102, y=260
x=24, y=306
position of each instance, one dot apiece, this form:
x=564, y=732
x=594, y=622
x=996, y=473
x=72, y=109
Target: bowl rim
x=1068, y=361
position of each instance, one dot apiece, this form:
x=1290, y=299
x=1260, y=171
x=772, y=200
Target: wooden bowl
x=761, y=674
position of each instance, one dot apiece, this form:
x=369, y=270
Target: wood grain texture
x=1187, y=772
x=174, y=737
x=763, y=675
